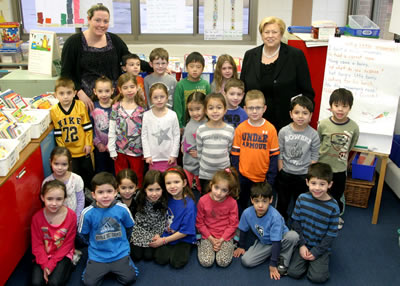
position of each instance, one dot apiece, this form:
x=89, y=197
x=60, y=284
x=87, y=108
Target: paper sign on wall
x=44, y=53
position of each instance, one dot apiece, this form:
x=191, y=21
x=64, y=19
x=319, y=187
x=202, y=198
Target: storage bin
x=39, y=125
x=25, y=137
x=362, y=26
x=395, y=151
x=11, y=158
x=362, y=172
x=357, y=192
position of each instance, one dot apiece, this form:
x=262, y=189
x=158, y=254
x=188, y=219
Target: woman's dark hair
x=152, y=177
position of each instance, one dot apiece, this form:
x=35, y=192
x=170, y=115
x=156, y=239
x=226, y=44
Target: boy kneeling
x=273, y=237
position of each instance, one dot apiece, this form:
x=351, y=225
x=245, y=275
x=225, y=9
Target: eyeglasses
x=160, y=64
x=254, y=108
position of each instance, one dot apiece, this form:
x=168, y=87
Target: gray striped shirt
x=213, y=148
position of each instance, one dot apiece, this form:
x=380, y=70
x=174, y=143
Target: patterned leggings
x=207, y=255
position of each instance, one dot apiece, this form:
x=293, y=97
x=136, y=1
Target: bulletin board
x=67, y=13
x=369, y=68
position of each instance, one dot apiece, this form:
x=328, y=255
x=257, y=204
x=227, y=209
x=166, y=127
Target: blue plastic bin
x=362, y=172
x=395, y=151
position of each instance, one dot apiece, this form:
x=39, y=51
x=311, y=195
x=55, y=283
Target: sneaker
x=282, y=269
x=341, y=223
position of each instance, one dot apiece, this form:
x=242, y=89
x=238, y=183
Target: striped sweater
x=316, y=222
x=213, y=147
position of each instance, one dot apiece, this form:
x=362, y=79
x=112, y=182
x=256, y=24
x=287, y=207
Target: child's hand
x=305, y=253
x=87, y=149
x=212, y=239
x=238, y=251
x=101, y=147
x=46, y=273
x=218, y=244
x=193, y=153
x=171, y=160
x=181, y=130
x=149, y=161
x=273, y=273
x=156, y=242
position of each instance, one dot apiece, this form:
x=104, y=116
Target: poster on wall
x=44, y=53
x=69, y=13
x=369, y=69
x=223, y=20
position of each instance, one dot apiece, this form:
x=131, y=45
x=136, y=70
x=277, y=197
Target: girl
x=195, y=111
x=214, y=140
x=225, y=69
x=150, y=215
x=100, y=117
x=217, y=219
x=60, y=162
x=124, y=142
x=53, y=231
x=127, y=183
x=175, y=243
x=160, y=132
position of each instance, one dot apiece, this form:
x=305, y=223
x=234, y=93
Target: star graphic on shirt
x=186, y=146
x=162, y=135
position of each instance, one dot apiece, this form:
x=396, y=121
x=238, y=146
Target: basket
x=357, y=192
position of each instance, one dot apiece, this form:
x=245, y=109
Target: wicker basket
x=357, y=192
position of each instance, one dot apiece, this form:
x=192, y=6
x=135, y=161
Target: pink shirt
x=51, y=243
x=219, y=219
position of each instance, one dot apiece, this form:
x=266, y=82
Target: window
x=131, y=20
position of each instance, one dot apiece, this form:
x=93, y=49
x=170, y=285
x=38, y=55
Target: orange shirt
x=255, y=145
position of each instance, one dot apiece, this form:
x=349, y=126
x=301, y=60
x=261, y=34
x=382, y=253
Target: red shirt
x=219, y=219
x=51, y=243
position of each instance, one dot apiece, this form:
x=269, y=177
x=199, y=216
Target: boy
x=255, y=147
x=106, y=226
x=299, y=147
x=234, y=93
x=73, y=128
x=193, y=82
x=338, y=135
x=315, y=219
x=159, y=63
x=131, y=64
x=273, y=237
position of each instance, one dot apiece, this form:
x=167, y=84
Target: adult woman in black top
x=95, y=52
x=278, y=70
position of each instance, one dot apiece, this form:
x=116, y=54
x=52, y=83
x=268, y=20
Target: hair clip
x=228, y=170
x=158, y=82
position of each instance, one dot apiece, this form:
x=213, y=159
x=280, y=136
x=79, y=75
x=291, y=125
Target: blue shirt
x=106, y=228
x=235, y=116
x=181, y=218
x=268, y=228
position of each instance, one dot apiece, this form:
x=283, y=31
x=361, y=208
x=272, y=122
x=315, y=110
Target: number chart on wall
x=72, y=13
x=369, y=68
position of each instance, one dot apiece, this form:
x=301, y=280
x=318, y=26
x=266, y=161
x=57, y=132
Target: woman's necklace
x=273, y=54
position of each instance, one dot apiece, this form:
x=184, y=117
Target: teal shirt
x=183, y=89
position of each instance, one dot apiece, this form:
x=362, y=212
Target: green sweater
x=337, y=140
x=183, y=89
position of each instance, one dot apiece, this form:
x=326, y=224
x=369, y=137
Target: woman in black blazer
x=278, y=70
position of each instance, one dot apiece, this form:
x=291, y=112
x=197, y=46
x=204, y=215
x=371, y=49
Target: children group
x=231, y=156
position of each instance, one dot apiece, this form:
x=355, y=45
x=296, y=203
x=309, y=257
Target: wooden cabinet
x=19, y=200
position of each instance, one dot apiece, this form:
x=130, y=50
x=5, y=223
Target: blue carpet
x=363, y=254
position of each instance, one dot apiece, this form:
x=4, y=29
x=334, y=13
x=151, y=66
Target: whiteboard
x=67, y=13
x=369, y=68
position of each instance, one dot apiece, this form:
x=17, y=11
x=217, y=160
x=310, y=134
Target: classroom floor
x=363, y=255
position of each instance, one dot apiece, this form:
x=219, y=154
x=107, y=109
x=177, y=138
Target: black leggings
x=177, y=255
x=59, y=276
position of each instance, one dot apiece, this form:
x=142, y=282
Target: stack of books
x=8, y=128
x=11, y=99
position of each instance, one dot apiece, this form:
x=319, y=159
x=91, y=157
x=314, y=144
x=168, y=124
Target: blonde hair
x=97, y=7
x=254, y=94
x=124, y=78
x=272, y=20
x=218, y=79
